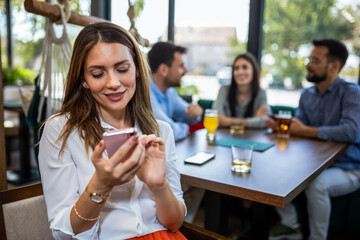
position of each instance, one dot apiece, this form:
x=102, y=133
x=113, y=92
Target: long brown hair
x=79, y=106
x=255, y=85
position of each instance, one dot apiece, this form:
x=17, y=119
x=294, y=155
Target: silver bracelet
x=85, y=219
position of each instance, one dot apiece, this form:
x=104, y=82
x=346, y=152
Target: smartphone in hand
x=114, y=139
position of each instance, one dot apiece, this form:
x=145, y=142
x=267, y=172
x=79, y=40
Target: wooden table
x=277, y=175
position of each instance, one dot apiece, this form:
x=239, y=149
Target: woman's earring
x=85, y=85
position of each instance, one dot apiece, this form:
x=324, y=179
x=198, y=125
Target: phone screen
x=114, y=139
x=200, y=158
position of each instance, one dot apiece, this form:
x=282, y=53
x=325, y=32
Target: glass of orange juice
x=211, y=123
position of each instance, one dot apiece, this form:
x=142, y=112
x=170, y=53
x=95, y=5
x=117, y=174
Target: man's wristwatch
x=96, y=197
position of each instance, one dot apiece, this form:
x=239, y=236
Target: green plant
x=187, y=90
x=17, y=76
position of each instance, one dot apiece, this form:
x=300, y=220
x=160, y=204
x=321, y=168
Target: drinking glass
x=237, y=128
x=241, y=158
x=211, y=123
x=284, y=121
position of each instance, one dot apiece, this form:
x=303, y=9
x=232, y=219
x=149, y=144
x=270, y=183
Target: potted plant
x=17, y=76
x=13, y=78
x=187, y=92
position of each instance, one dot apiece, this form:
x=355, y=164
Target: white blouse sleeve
x=172, y=172
x=59, y=177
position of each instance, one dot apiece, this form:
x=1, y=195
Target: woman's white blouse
x=130, y=211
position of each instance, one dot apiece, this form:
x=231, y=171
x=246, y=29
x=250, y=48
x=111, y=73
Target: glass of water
x=241, y=158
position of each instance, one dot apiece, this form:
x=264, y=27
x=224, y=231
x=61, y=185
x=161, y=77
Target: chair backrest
x=205, y=104
x=23, y=214
x=276, y=108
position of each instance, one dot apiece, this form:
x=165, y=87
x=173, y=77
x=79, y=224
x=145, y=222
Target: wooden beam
x=3, y=181
x=52, y=12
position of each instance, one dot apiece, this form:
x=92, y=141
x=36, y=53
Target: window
x=152, y=21
x=210, y=30
x=3, y=33
x=289, y=27
x=28, y=32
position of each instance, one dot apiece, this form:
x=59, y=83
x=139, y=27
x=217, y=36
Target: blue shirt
x=170, y=107
x=336, y=114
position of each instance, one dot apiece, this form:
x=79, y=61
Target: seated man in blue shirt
x=167, y=67
x=329, y=111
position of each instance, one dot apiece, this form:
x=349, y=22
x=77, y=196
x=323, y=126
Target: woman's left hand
x=153, y=170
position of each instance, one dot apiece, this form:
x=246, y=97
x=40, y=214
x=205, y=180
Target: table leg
x=24, y=148
x=216, y=213
x=260, y=221
x=25, y=173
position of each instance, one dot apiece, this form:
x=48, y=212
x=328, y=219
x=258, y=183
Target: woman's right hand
x=120, y=168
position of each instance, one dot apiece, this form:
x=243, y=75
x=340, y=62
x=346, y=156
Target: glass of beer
x=284, y=121
x=237, y=128
x=211, y=123
x=241, y=158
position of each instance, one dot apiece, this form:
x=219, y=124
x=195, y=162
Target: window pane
x=3, y=33
x=152, y=21
x=289, y=27
x=28, y=31
x=214, y=32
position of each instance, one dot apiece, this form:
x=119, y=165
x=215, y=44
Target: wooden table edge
x=235, y=191
x=305, y=183
x=261, y=197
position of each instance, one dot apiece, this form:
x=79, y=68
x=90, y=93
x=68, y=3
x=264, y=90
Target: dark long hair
x=255, y=85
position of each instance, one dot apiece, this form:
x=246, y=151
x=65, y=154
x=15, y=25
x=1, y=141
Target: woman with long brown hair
x=135, y=192
x=243, y=102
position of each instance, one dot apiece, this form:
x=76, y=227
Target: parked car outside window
x=224, y=75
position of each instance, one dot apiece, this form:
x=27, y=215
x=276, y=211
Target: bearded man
x=330, y=111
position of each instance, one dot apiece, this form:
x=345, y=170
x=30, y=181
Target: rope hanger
x=52, y=12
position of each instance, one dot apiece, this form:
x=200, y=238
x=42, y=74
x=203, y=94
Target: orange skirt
x=163, y=235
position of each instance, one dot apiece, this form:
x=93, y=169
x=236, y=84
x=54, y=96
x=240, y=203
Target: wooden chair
x=23, y=216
